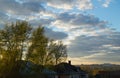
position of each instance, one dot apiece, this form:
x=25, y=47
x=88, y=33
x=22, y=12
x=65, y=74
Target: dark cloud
x=81, y=20
x=13, y=7
x=3, y=17
x=55, y=34
x=41, y=21
x=88, y=45
x=33, y=6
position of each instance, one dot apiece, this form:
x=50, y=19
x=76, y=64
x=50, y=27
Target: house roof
x=65, y=68
x=47, y=71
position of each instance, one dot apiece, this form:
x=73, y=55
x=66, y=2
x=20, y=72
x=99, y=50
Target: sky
x=89, y=28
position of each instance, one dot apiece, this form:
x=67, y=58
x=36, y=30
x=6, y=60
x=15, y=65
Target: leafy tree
x=44, y=51
x=15, y=38
x=37, y=50
x=12, y=41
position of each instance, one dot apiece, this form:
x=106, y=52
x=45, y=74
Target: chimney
x=69, y=62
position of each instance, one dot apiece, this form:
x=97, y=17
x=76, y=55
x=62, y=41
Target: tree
x=44, y=51
x=12, y=41
x=14, y=37
x=37, y=50
x=59, y=51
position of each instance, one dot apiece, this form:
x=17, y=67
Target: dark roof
x=65, y=68
x=47, y=71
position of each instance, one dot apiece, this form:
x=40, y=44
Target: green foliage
x=37, y=50
x=44, y=51
x=12, y=39
x=17, y=38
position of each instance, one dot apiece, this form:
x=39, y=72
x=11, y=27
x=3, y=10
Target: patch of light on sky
x=55, y=28
x=54, y=10
x=20, y=1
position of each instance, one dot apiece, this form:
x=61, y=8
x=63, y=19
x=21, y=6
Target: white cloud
x=78, y=24
x=61, y=4
x=64, y=4
x=112, y=47
x=84, y=4
x=106, y=3
x=93, y=55
x=70, y=4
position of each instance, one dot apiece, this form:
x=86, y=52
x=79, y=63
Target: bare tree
x=59, y=51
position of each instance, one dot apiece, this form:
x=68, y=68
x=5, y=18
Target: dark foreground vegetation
x=20, y=41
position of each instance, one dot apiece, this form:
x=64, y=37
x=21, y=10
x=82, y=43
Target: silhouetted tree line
x=20, y=41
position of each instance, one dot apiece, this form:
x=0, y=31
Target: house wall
x=52, y=76
x=83, y=76
x=56, y=76
x=69, y=76
x=73, y=76
x=64, y=76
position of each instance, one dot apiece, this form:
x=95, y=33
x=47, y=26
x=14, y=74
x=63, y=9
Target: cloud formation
x=89, y=38
x=15, y=8
x=56, y=35
x=80, y=20
x=69, y=4
x=106, y=4
x=104, y=48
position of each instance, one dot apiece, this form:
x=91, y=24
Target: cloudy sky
x=89, y=28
